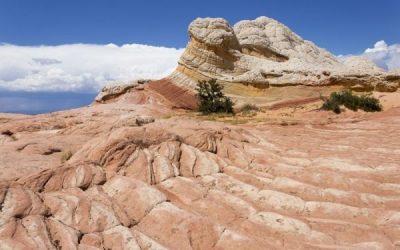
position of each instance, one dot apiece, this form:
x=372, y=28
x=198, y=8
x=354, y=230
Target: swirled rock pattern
x=264, y=52
x=183, y=183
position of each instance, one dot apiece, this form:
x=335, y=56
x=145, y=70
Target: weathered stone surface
x=263, y=53
x=292, y=177
x=116, y=89
x=184, y=184
x=142, y=120
x=213, y=32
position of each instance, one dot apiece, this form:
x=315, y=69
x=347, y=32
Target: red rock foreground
x=328, y=182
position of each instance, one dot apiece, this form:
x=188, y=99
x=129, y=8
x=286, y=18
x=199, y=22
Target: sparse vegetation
x=353, y=102
x=65, y=156
x=246, y=108
x=211, y=99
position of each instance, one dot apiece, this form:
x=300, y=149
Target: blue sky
x=66, y=50
x=341, y=26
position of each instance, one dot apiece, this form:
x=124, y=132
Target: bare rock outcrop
x=263, y=53
x=186, y=184
x=136, y=170
x=116, y=89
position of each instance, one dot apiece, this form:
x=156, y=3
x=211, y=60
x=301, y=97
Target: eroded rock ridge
x=264, y=52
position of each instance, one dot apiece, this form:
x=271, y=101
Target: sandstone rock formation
x=116, y=89
x=136, y=170
x=263, y=53
x=183, y=183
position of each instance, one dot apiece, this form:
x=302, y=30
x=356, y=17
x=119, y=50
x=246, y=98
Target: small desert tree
x=211, y=99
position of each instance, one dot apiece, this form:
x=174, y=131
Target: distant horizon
x=34, y=103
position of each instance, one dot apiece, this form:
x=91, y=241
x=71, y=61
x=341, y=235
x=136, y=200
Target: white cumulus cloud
x=81, y=67
x=383, y=55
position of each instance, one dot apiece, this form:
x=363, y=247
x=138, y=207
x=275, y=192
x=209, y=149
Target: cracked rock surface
x=184, y=183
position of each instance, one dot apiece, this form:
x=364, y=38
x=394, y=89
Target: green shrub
x=370, y=104
x=211, y=99
x=350, y=101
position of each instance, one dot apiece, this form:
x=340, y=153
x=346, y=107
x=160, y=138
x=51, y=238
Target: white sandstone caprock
x=264, y=52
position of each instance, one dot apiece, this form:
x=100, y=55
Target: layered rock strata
x=180, y=183
x=264, y=52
